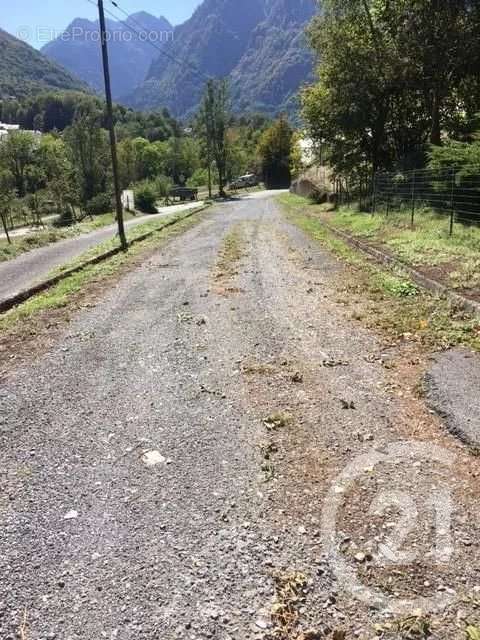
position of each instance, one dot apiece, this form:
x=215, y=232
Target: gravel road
x=169, y=467
x=31, y=267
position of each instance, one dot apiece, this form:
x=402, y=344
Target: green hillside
x=24, y=71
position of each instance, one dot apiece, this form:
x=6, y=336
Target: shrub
x=198, y=179
x=162, y=186
x=99, y=204
x=146, y=197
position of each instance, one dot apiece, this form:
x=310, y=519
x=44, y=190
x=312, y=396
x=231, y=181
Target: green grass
x=386, y=298
x=61, y=294
x=427, y=244
x=113, y=242
x=50, y=235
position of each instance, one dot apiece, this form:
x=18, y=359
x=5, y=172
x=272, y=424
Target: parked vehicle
x=243, y=182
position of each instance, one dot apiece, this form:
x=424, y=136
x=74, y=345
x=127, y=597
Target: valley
x=240, y=320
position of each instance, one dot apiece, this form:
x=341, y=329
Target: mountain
x=131, y=50
x=277, y=60
x=259, y=44
x=24, y=71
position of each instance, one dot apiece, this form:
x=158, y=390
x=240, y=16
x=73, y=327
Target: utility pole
x=113, y=142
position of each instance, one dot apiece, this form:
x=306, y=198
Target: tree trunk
x=5, y=227
x=436, y=131
x=209, y=178
x=221, y=183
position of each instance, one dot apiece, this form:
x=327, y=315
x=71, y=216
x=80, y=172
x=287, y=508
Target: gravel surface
x=31, y=267
x=169, y=466
x=453, y=387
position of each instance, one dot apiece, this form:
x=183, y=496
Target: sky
x=37, y=22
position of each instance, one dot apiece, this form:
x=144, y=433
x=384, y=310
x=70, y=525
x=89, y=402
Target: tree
x=206, y=152
x=275, y=149
x=127, y=162
x=59, y=172
x=7, y=195
x=181, y=159
x=17, y=152
x=215, y=113
x=392, y=77
x=88, y=150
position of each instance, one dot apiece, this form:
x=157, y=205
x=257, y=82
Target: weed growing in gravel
x=230, y=253
x=290, y=595
x=398, y=287
x=277, y=420
x=413, y=627
x=472, y=632
x=267, y=451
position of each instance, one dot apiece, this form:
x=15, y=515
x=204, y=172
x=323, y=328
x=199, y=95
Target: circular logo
x=392, y=550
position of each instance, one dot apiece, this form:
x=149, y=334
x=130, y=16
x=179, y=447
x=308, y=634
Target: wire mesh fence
x=448, y=192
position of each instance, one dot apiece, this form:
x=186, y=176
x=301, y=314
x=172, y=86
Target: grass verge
x=386, y=298
x=427, y=246
x=50, y=235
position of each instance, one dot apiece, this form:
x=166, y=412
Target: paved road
x=30, y=268
x=145, y=496
x=452, y=384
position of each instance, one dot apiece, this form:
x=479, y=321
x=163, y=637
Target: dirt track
x=172, y=467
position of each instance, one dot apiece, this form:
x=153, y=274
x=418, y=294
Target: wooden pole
x=111, y=128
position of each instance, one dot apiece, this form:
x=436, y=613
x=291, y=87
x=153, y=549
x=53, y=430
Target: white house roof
x=9, y=127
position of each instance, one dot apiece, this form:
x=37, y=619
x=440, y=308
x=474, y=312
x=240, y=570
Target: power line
x=192, y=67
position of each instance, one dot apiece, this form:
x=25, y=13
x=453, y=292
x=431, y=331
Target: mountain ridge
x=24, y=70
x=258, y=44
x=263, y=51
x=130, y=50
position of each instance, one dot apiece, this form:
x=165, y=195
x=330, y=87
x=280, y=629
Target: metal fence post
x=374, y=194
x=452, y=202
x=413, y=199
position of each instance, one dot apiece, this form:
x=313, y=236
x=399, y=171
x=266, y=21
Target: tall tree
x=88, y=148
x=275, y=149
x=59, y=172
x=392, y=76
x=215, y=111
x=17, y=152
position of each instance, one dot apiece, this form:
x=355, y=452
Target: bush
x=146, y=197
x=162, y=186
x=198, y=179
x=99, y=204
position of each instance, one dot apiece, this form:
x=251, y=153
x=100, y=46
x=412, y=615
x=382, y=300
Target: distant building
x=6, y=129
